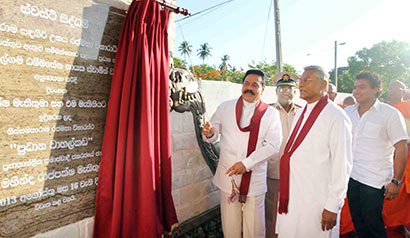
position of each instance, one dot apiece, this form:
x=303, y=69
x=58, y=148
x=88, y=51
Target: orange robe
x=396, y=212
x=346, y=223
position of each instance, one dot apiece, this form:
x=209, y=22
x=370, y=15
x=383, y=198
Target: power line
x=187, y=52
x=198, y=17
x=210, y=8
x=266, y=29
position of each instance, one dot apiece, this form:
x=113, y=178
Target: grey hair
x=321, y=72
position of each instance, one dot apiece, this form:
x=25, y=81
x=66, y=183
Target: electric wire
x=202, y=11
x=266, y=29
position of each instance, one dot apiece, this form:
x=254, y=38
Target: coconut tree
x=185, y=49
x=224, y=65
x=204, y=51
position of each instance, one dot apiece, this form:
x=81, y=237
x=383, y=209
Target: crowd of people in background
x=321, y=170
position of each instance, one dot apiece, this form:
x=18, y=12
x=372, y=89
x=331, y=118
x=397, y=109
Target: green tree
x=341, y=73
x=391, y=60
x=185, y=49
x=236, y=75
x=207, y=72
x=204, y=51
x=178, y=63
x=224, y=66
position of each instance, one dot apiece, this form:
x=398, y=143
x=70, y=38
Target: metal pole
x=336, y=65
x=277, y=37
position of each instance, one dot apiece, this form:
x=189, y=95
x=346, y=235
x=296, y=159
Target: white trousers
x=249, y=216
x=333, y=233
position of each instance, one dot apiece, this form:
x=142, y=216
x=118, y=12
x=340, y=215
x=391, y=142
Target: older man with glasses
x=285, y=90
x=316, y=163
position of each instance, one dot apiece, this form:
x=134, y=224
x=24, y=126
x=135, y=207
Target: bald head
x=397, y=83
x=332, y=91
x=348, y=101
x=395, y=92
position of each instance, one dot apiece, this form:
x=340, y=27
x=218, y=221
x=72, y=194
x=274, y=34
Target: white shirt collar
x=376, y=105
x=247, y=112
x=310, y=106
x=249, y=104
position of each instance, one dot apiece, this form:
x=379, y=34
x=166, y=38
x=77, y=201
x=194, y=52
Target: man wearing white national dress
x=316, y=164
x=250, y=133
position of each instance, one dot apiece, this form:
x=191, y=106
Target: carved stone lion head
x=184, y=91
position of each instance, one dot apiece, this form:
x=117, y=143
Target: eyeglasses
x=283, y=90
x=304, y=80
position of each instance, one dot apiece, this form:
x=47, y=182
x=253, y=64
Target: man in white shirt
x=379, y=133
x=316, y=164
x=250, y=132
x=285, y=90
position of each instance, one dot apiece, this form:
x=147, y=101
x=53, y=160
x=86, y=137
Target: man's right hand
x=208, y=130
x=392, y=191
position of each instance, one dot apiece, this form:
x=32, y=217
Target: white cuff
x=248, y=164
x=333, y=206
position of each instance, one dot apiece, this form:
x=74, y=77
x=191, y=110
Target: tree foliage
x=207, y=72
x=179, y=63
x=224, y=66
x=204, y=51
x=185, y=49
x=391, y=60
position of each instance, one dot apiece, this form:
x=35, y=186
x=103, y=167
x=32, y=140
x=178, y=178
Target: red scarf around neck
x=253, y=128
x=285, y=159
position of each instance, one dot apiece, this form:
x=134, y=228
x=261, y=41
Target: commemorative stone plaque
x=56, y=64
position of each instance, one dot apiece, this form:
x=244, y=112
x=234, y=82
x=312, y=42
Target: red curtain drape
x=134, y=184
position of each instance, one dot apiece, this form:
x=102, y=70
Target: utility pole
x=343, y=43
x=336, y=64
x=277, y=37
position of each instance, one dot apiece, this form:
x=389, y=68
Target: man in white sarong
x=316, y=164
x=250, y=132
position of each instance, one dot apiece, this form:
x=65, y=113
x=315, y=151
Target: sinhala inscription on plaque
x=56, y=63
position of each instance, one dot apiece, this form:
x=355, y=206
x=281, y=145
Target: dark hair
x=373, y=79
x=257, y=72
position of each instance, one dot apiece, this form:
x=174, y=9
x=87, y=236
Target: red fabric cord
x=134, y=189
x=284, y=166
x=253, y=128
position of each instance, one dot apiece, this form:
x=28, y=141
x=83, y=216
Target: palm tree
x=224, y=65
x=185, y=48
x=204, y=51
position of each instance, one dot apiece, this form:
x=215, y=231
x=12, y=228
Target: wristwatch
x=397, y=182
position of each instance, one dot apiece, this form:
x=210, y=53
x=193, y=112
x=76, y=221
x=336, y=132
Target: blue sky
x=309, y=29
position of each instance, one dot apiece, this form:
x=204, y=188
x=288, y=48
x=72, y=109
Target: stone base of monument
x=207, y=224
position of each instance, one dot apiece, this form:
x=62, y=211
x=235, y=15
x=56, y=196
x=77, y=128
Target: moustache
x=249, y=91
